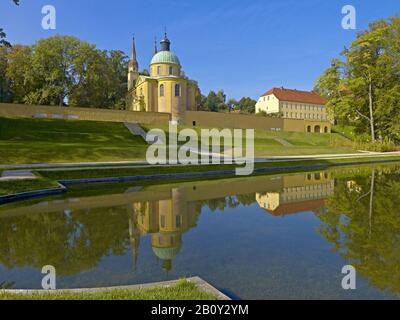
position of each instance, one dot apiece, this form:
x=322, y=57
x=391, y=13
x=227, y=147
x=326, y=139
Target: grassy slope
x=44, y=140
x=183, y=290
x=265, y=143
x=41, y=140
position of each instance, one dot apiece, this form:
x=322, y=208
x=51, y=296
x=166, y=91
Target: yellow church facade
x=166, y=89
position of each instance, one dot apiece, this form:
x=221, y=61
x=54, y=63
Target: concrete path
x=17, y=175
x=283, y=142
x=135, y=129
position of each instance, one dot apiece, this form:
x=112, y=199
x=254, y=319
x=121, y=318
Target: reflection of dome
x=166, y=253
x=165, y=57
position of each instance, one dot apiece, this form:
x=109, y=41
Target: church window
x=158, y=70
x=177, y=90
x=162, y=90
x=171, y=70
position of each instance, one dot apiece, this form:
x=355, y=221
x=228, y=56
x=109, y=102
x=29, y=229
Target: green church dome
x=165, y=57
x=166, y=253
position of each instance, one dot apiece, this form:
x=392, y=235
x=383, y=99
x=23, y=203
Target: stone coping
x=32, y=194
x=201, y=284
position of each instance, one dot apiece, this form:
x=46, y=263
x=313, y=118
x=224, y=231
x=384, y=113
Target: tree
x=246, y=105
x=63, y=70
x=19, y=73
x=214, y=101
x=5, y=86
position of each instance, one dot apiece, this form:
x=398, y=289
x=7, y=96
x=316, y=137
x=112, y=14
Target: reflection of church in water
x=165, y=213
x=166, y=220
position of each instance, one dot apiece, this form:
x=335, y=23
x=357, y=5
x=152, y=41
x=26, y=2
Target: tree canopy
x=363, y=88
x=63, y=70
x=216, y=102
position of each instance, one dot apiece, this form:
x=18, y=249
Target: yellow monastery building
x=296, y=104
x=166, y=89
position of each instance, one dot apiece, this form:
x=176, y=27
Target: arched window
x=326, y=129
x=309, y=129
x=162, y=90
x=171, y=70
x=158, y=70
x=317, y=129
x=177, y=90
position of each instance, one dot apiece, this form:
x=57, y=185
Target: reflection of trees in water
x=362, y=221
x=71, y=242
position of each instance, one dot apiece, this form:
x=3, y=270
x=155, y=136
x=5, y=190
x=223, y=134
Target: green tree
x=5, y=85
x=360, y=89
x=63, y=70
x=19, y=73
x=246, y=105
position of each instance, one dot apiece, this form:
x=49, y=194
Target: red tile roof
x=296, y=96
x=296, y=207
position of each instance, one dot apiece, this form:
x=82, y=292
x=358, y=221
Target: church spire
x=133, y=68
x=133, y=62
x=155, y=45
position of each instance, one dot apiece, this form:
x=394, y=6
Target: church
x=166, y=89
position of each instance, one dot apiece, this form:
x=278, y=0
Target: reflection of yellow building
x=166, y=220
x=298, y=193
x=166, y=89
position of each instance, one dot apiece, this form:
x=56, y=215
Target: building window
x=162, y=222
x=171, y=70
x=162, y=90
x=194, y=123
x=178, y=221
x=158, y=70
x=177, y=90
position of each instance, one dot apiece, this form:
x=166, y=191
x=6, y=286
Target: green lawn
x=183, y=290
x=53, y=140
x=17, y=186
x=266, y=142
x=43, y=140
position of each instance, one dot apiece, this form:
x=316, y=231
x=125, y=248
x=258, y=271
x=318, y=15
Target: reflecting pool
x=263, y=237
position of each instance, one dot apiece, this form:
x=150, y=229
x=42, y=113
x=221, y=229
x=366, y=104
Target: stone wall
x=73, y=113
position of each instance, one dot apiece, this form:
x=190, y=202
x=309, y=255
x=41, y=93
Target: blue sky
x=242, y=46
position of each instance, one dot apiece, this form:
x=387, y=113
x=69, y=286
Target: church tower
x=133, y=69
